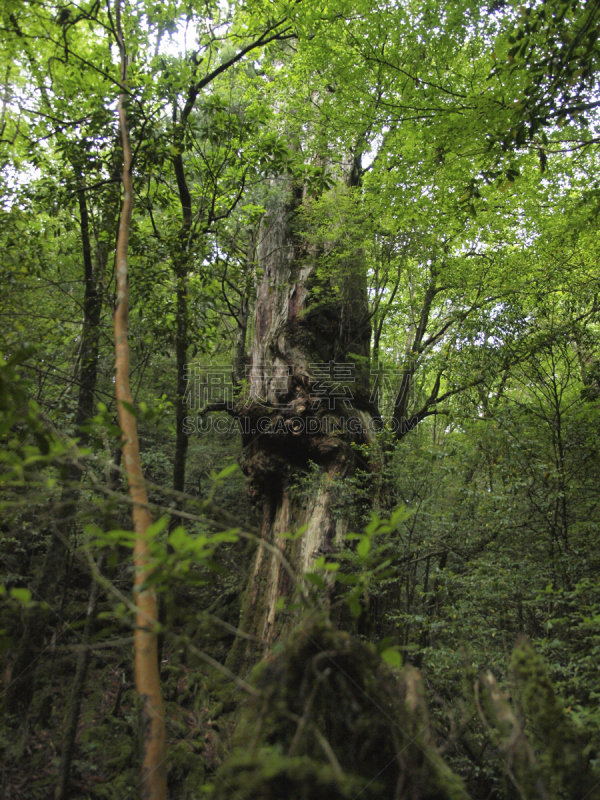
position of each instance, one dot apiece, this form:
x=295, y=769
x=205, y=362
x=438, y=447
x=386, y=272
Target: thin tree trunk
x=64, y=772
x=401, y=404
x=68, y=745
x=181, y=349
x=92, y=312
x=181, y=275
x=153, y=768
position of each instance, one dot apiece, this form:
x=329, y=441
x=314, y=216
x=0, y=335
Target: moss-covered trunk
x=307, y=403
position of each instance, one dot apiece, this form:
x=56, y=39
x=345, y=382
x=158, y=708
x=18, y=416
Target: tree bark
x=182, y=335
x=147, y=682
x=94, y=271
x=243, y=313
x=306, y=325
x=181, y=349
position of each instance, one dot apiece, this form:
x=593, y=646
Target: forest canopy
x=300, y=399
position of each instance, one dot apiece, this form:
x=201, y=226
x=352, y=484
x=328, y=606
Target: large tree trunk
x=308, y=387
x=239, y=361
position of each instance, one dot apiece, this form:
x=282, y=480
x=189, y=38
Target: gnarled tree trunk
x=308, y=402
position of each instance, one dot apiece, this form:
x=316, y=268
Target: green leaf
x=22, y=595
x=178, y=538
x=298, y=533
x=315, y=579
x=392, y=657
x=364, y=546
x=157, y=527
x=129, y=407
x=373, y=524
x=225, y=473
x=354, y=606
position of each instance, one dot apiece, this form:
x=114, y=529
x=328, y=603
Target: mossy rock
x=331, y=720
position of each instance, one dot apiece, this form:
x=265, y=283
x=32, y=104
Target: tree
x=312, y=307
x=83, y=166
x=407, y=339
x=153, y=772
x=551, y=56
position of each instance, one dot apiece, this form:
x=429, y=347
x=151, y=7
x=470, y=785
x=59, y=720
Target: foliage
x=441, y=160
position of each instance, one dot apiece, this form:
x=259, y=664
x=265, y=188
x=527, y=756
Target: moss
x=124, y=784
x=557, y=745
x=270, y=775
x=110, y=745
x=185, y=769
x=331, y=720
